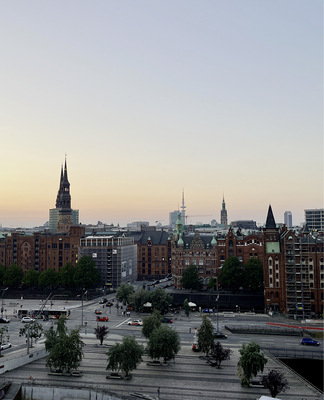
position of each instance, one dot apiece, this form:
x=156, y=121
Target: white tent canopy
x=191, y=304
x=148, y=304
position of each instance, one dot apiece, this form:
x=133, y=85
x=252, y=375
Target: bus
x=46, y=314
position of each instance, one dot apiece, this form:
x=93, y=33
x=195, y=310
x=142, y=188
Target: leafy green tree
x=164, y=343
x=32, y=330
x=66, y=275
x=212, y=283
x=139, y=298
x=161, y=300
x=250, y=363
x=125, y=356
x=186, y=307
x=253, y=274
x=205, y=335
x=231, y=275
x=124, y=292
x=86, y=273
x=150, y=323
x=2, y=272
x=64, y=347
x=275, y=381
x=101, y=333
x=190, y=278
x=3, y=336
x=220, y=354
x=31, y=278
x=13, y=276
x=48, y=278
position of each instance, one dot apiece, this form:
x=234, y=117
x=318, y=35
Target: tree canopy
x=164, y=343
x=231, y=275
x=220, y=354
x=190, y=278
x=275, y=381
x=124, y=293
x=150, y=323
x=253, y=274
x=125, y=356
x=64, y=347
x=32, y=330
x=101, y=332
x=250, y=363
x=86, y=273
x=13, y=276
x=205, y=335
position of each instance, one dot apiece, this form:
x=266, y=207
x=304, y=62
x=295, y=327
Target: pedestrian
x=158, y=392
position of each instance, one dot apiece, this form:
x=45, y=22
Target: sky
x=149, y=99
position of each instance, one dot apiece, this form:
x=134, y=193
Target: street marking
x=122, y=322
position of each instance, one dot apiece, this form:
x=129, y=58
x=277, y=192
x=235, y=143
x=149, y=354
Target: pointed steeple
x=270, y=223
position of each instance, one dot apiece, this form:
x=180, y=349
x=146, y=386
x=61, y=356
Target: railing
x=295, y=353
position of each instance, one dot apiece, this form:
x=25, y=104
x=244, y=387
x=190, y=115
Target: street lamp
x=82, y=306
x=217, y=298
x=2, y=301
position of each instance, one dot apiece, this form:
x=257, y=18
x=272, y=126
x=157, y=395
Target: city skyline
x=216, y=98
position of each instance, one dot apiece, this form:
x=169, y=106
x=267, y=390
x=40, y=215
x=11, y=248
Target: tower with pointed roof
x=62, y=217
x=223, y=216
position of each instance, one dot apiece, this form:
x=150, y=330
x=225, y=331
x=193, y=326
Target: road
x=189, y=377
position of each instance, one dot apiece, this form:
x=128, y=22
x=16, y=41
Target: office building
x=314, y=219
x=288, y=219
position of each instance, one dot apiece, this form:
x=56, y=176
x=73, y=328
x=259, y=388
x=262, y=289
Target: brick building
x=41, y=251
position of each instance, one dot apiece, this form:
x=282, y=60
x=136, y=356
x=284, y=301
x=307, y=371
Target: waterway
x=312, y=370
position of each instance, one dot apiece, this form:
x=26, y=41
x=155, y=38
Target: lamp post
x=82, y=306
x=2, y=301
x=217, y=312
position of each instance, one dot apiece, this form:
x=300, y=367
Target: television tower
x=183, y=210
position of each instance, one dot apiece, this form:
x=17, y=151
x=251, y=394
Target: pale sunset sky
x=149, y=98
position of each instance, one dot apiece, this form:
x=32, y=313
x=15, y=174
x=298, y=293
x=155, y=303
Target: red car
x=102, y=319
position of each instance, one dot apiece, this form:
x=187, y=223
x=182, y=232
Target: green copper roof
x=272, y=247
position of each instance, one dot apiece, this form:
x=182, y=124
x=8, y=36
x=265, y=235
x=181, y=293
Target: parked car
x=207, y=310
x=167, y=320
x=27, y=319
x=5, y=346
x=98, y=312
x=219, y=335
x=195, y=347
x=309, y=342
x=102, y=319
x=103, y=301
x=109, y=304
x=137, y=322
x=4, y=321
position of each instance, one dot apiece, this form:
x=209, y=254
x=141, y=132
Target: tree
x=231, y=274
x=212, y=283
x=64, y=347
x=32, y=330
x=139, y=298
x=13, y=276
x=186, y=307
x=31, y=278
x=161, y=300
x=123, y=293
x=253, y=274
x=86, y=273
x=150, y=323
x=125, y=356
x=275, y=381
x=250, y=363
x=205, y=335
x=101, y=333
x=3, y=335
x=66, y=275
x=48, y=278
x=164, y=343
x=220, y=354
x=190, y=278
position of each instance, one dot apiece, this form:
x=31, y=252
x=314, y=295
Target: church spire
x=270, y=223
x=223, y=215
